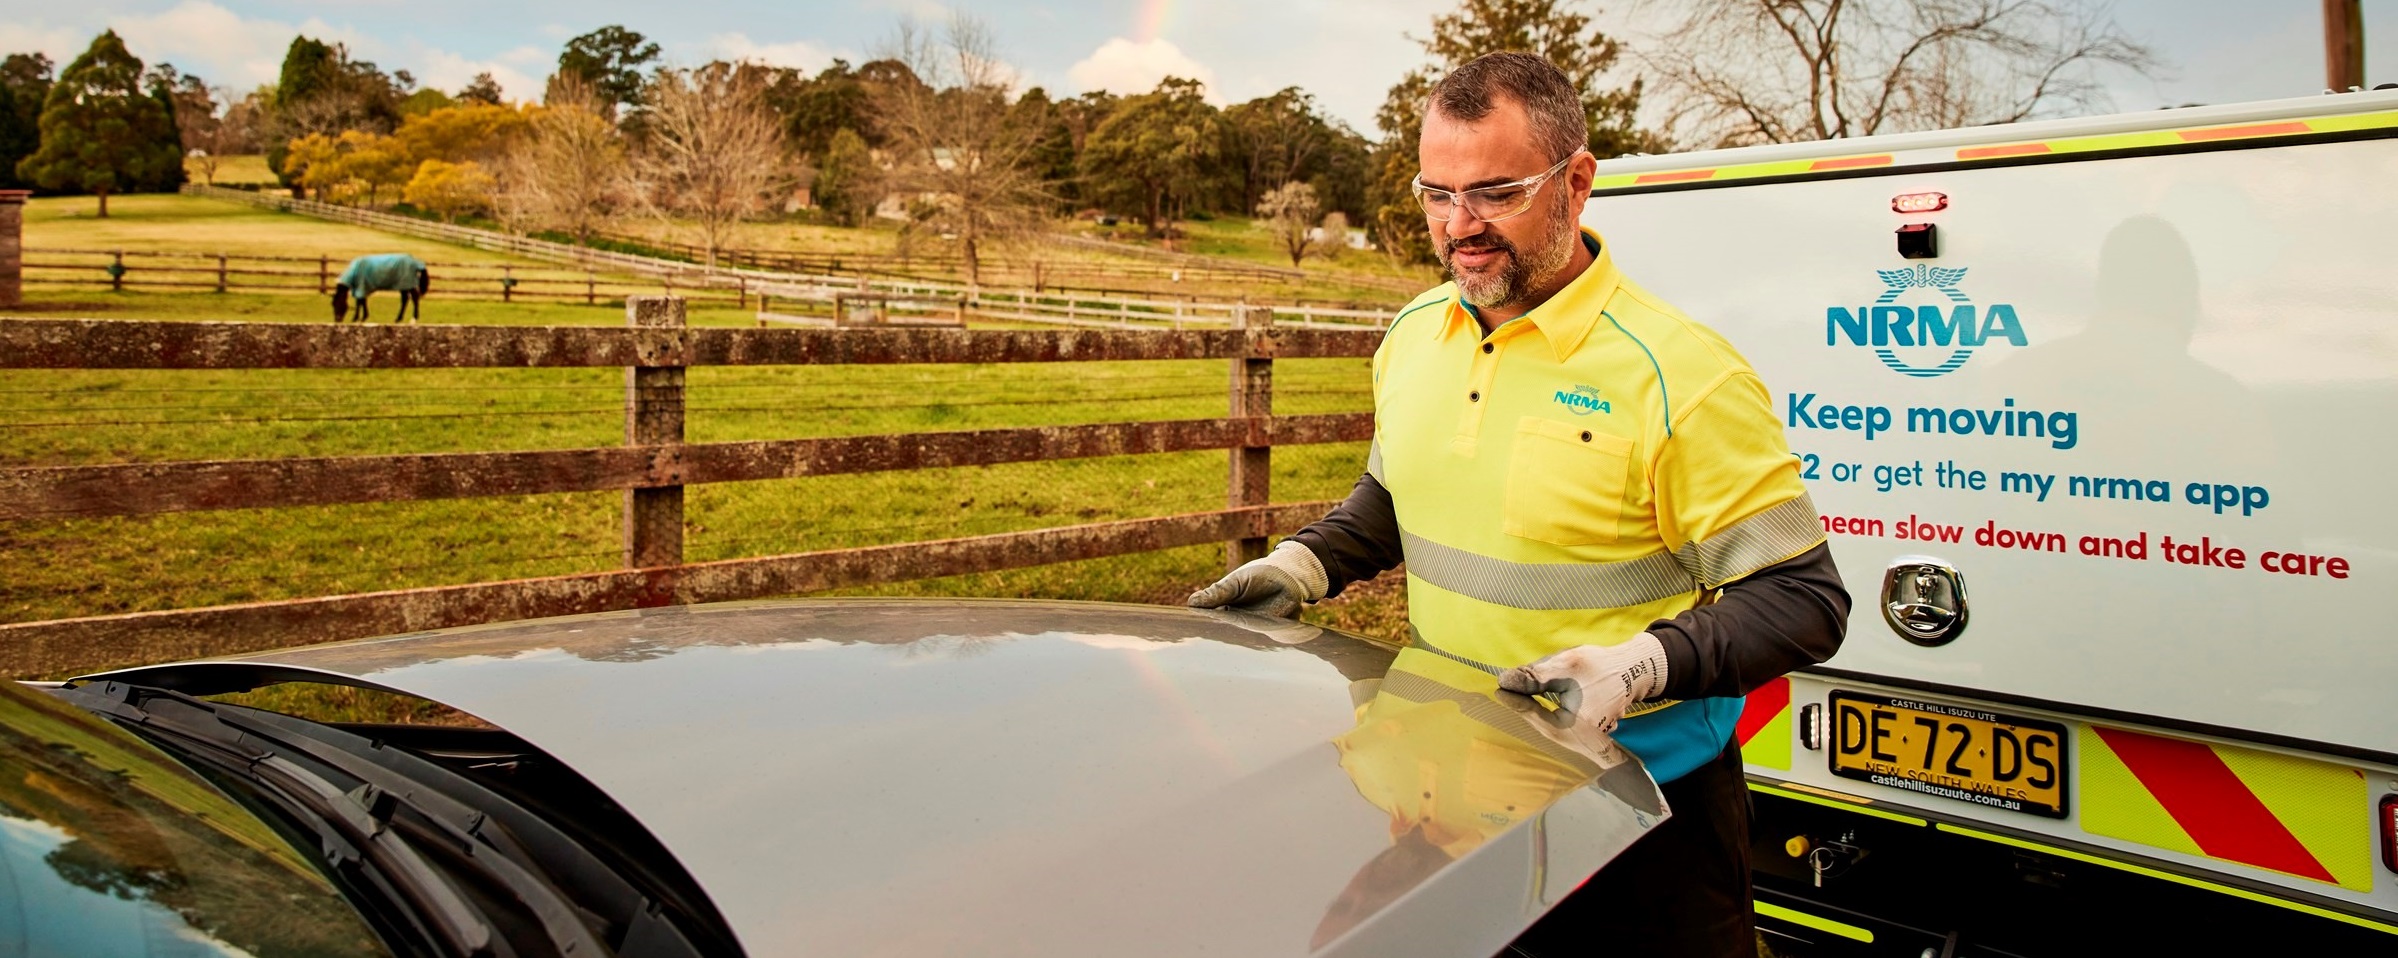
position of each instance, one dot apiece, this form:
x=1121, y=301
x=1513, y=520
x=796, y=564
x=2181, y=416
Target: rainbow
x=1149, y=22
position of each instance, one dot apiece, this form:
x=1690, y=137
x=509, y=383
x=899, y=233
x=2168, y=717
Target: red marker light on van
x=2389, y=832
x=1918, y=202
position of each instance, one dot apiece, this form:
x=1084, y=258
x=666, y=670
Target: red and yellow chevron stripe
x=2264, y=809
x=2144, y=139
x=1764, y=726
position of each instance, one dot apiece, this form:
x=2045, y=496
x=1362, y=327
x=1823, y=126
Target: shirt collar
x=1565, y=320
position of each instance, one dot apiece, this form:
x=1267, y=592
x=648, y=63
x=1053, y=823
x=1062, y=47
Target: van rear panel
x=2142, y=404
x=2140, y=399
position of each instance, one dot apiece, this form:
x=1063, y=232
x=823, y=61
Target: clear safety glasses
x=1490, y=203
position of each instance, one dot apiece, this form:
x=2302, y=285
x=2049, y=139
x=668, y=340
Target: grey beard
x=1524, y=271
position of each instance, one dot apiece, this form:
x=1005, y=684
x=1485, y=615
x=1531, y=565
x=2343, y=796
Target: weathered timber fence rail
x=652, y=468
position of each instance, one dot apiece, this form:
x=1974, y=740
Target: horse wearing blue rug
x=396, y=272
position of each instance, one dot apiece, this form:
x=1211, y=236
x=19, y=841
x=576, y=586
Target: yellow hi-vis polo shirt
x=1588, y=468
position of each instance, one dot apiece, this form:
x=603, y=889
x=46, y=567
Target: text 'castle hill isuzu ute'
x=2099, y=417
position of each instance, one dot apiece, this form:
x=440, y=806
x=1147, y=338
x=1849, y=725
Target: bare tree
x=1290, y=211
x=955, y=147
x=1776, y=71
x=568, y=170
x=714, y=151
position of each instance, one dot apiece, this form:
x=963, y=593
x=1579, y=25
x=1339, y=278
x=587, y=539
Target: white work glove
x=1287, y=578
x=1595, y=682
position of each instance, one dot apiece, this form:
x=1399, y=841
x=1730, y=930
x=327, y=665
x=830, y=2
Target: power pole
x=2343, y=45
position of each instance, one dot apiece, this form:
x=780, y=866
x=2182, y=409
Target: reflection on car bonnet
x=1455, y=762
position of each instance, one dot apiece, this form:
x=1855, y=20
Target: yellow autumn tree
x=462, y=133
x=450, y=188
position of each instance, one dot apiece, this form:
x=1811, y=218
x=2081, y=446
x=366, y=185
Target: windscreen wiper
x=416, y=822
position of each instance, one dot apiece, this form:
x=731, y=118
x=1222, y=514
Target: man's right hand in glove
x=1287, y=578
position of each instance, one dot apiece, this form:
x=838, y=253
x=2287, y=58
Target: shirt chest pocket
x=1565, y=483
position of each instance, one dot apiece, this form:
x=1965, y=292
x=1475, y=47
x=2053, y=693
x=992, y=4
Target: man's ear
x=1582, y=172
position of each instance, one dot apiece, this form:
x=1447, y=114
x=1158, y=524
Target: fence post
x=653, y=415
x=507, y=284
x=591, y=290
x=1252, y=466
x=220, y=272
x=324, y=269
x=116, y=272
x=12, y=246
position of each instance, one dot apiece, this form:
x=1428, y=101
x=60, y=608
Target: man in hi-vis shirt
x=1589, y=490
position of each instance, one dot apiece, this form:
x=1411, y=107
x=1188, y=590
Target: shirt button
x=1475, y=396
x=1486, y=347
x=1586, y=435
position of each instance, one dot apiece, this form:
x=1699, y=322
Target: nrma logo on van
x=1922, y=339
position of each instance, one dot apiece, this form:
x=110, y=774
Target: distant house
x=803, y=192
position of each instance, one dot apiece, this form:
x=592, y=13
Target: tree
x=450, y=189
x=1278, y=138
x=1290, y=211
x=714, y=152
x=100, y=132
x=1749, y=71
x=374, y=161
x=567, y=171
x=313, y=163
x=1550, y=28
x=468, y=131
x=942, y=105
x=24, y=85
x=845, y=178
x=482, y=89
x=1153, y=154
x=163, y=81
x=244, y=121
x=609, y=61
x=424, y=100
x=817, y=109
x=322, y=90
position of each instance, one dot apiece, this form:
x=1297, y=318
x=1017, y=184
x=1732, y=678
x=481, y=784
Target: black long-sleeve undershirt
x=1785, y=616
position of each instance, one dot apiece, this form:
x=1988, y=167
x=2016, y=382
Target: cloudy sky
x=1347, y=52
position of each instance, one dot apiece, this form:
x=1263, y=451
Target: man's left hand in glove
x=1279, y=584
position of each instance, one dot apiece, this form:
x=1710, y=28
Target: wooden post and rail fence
x=652, y=468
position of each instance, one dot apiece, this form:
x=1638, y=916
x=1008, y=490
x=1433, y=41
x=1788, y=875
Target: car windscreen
x=110, y=848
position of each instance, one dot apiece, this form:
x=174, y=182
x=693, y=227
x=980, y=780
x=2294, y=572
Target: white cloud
x=218, y=44
x=520, y=72
x=796, y=54
x=60, y=44
x=1122, y=66
x=227, y=49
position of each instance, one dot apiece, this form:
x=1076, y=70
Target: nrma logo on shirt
x=1584, y=400
x=1926, y=339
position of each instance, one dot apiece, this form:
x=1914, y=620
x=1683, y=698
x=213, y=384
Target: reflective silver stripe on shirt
x=1753, y=543
x=1546, y=585
x=1374, y=461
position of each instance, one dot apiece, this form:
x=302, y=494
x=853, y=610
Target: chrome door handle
x=1923, y=600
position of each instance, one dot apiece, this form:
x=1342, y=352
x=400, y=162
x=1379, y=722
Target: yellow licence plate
x=1965, y=754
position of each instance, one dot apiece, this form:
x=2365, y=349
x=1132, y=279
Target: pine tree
x=100, y=131
x=166, y=177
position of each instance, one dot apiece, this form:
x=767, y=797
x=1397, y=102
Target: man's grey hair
x=1559, y=123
